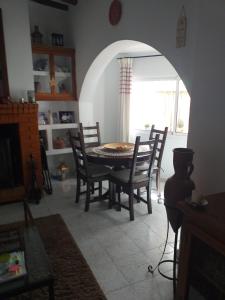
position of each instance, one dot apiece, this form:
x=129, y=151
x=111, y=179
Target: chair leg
x=110, y=195
x=100, y=190
x=138, y=194
x=131, y=205
x=78, y=189
x=93, y=188
x=149, y=200
x=119, y=199
x=158, y=183
x=88, y=196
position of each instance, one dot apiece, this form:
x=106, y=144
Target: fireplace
x=19, y=139
x=11, y=171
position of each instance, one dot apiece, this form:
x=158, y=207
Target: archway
x=96, y=70
x=98, y=104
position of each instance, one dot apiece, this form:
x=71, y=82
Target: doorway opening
x=158, y=96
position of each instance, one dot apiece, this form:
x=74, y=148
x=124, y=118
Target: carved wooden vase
x=179, y=186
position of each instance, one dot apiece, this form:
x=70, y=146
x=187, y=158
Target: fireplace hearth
x=19, y=139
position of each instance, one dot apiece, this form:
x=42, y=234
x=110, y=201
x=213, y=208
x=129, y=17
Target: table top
x=39, y=272
x=112, y=158
x=211, y=218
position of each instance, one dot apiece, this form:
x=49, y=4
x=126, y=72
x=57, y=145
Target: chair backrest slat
x=91, y=145
x=144, y=152
x=90, y=135
x=161, y=143
x=79, y=153
x=89, y=127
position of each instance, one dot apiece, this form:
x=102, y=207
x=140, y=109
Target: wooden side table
x=202, y=254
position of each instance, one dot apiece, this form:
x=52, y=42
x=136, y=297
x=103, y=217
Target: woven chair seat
x=124, y=175
x=95, y=171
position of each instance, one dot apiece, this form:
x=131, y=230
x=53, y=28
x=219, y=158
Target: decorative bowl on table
x=118, y=147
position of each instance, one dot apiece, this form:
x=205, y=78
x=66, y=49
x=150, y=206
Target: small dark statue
x=36, y=36
x=179, y=187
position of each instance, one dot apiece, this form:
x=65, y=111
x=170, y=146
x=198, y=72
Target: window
x=183, y=108
x=159, y=102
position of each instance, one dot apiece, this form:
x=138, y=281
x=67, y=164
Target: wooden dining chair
x=91, y=138
x=128, y=180
x=158, y=158
x=159, y=152
x=90, y=135
x=88, y=172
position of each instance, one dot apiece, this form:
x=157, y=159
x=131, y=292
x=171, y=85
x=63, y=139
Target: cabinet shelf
x=59, y=151
x=58, y=126
x=57, y=74
x=40, y=73
x=63, y=74
x=50, y=130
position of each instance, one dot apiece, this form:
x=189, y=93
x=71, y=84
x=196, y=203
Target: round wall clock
x=115, y=12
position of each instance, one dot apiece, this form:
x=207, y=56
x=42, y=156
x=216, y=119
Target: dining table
x=115, y=155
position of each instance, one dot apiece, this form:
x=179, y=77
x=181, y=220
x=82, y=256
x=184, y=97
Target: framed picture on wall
x=66, y=117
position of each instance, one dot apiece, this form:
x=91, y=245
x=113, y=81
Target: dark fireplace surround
x=19, y=138
x=10, y=162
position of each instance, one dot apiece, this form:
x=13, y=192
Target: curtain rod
x=143, y=56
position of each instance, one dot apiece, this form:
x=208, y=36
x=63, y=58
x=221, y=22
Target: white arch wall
x=200, y=64
x=99, y=95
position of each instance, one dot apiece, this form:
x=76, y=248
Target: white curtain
x=125, y=90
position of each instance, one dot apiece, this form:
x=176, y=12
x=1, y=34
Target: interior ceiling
x=59, y=4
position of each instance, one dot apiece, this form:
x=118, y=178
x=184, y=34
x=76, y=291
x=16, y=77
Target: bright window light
x=159, y=102
x=183, y=108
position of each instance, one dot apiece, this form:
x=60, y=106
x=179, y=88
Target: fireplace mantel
x=25, y=115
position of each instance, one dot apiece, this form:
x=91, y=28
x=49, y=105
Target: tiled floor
x=117, y=250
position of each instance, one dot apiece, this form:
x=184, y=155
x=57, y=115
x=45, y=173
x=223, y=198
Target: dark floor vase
x=179, y=186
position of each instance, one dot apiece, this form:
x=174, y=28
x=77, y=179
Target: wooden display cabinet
x=201, y=273
x=54, y=73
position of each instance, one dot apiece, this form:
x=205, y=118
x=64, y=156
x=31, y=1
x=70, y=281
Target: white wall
x=172, y=141
x=18, y=47
x=111, y=99
x=200, y=64
x=153, y=68
x=50, y=20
